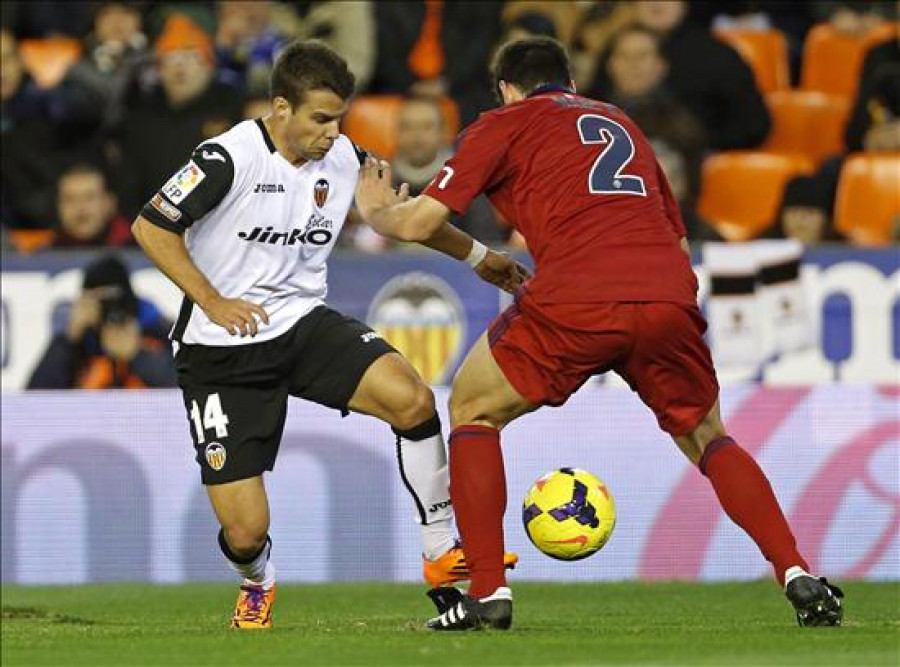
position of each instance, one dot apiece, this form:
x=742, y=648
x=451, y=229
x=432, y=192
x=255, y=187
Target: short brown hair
x=309, y=65
x=532, y=62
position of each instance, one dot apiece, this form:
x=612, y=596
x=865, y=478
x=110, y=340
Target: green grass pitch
x=381, y=624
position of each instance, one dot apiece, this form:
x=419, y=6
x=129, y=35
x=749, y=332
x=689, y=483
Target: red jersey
x=580, y=182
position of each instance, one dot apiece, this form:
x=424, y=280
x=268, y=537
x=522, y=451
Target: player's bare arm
x=423, y=219
x=168, y=252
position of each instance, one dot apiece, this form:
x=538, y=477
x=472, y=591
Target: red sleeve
x=474, y=168
x=673, y=211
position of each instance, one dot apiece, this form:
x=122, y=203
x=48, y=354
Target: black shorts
x=236, y=396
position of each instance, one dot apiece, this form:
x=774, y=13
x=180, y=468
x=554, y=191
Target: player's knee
x=417, y=406
x=709, y=429
x=464, y=408
x=245, y=540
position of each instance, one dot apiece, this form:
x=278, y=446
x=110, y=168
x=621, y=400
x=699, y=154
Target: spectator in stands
x=87, y=211
x=116, y=57
x=875, y=122
x=528, y=24
x=806, y=213
x=874, y=125
x=636, y=72
x=422, y=146
x=422, y=150
x=675, y=167
x=435, y=48
x=552, y=18
x=246, y=43
x=46, y=19
x=853, y=17
x=21, y=193
x=598, y=23
x=168, y=123
x=113, y=339
x=707, y=76
x=792, y=17
x=42, y=131
x=347, y=26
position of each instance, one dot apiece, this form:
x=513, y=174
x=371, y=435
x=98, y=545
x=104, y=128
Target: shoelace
x=253, y=602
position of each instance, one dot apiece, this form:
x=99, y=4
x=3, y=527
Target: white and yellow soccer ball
x=569, y=514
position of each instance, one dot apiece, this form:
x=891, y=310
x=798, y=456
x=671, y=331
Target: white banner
x=34, y=303
x=103, y=486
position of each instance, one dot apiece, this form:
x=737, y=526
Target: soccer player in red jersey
x=613, y=290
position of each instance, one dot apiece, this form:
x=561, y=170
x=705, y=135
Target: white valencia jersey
x=258, y=227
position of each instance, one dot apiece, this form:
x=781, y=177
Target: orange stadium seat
x=807, y=122
x=767, y=54
x=371, y=122
x=742, y=190
x=832, y=60
x=868, y=197
x=47, y=60
x=27, y=241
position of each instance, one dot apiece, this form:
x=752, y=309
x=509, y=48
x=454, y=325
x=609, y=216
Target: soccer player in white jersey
x=245, y=229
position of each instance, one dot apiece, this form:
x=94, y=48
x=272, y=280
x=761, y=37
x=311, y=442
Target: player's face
x=313, y=126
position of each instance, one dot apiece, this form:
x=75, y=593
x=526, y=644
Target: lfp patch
x=182, y=184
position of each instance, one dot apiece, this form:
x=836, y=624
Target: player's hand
x=503, y=271
x=236, y=316
x=375, y=189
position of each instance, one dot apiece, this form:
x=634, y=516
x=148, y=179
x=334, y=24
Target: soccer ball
x=569, y=514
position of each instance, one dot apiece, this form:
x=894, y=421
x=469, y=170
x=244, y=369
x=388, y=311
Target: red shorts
x=548, y=351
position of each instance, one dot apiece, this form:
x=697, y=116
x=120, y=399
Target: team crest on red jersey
x=320, y=192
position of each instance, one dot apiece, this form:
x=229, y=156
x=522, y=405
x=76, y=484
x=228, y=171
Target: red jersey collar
x=549, y=88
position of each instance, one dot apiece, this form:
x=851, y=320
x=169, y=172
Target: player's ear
x=572, y=86
x=281, y=108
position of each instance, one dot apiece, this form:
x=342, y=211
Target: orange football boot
x=452, y=567
x=253, y=609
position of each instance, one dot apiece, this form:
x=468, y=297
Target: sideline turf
x=381, y=624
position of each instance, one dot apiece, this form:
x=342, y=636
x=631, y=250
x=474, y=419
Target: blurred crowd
x=87, y=138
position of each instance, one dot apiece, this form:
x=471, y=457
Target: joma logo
x=268, y=187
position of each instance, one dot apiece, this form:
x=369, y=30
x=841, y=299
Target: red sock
x=478, y=492
x=747, y=498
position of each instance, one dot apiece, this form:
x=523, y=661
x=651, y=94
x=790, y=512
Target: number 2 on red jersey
x=607, y=175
